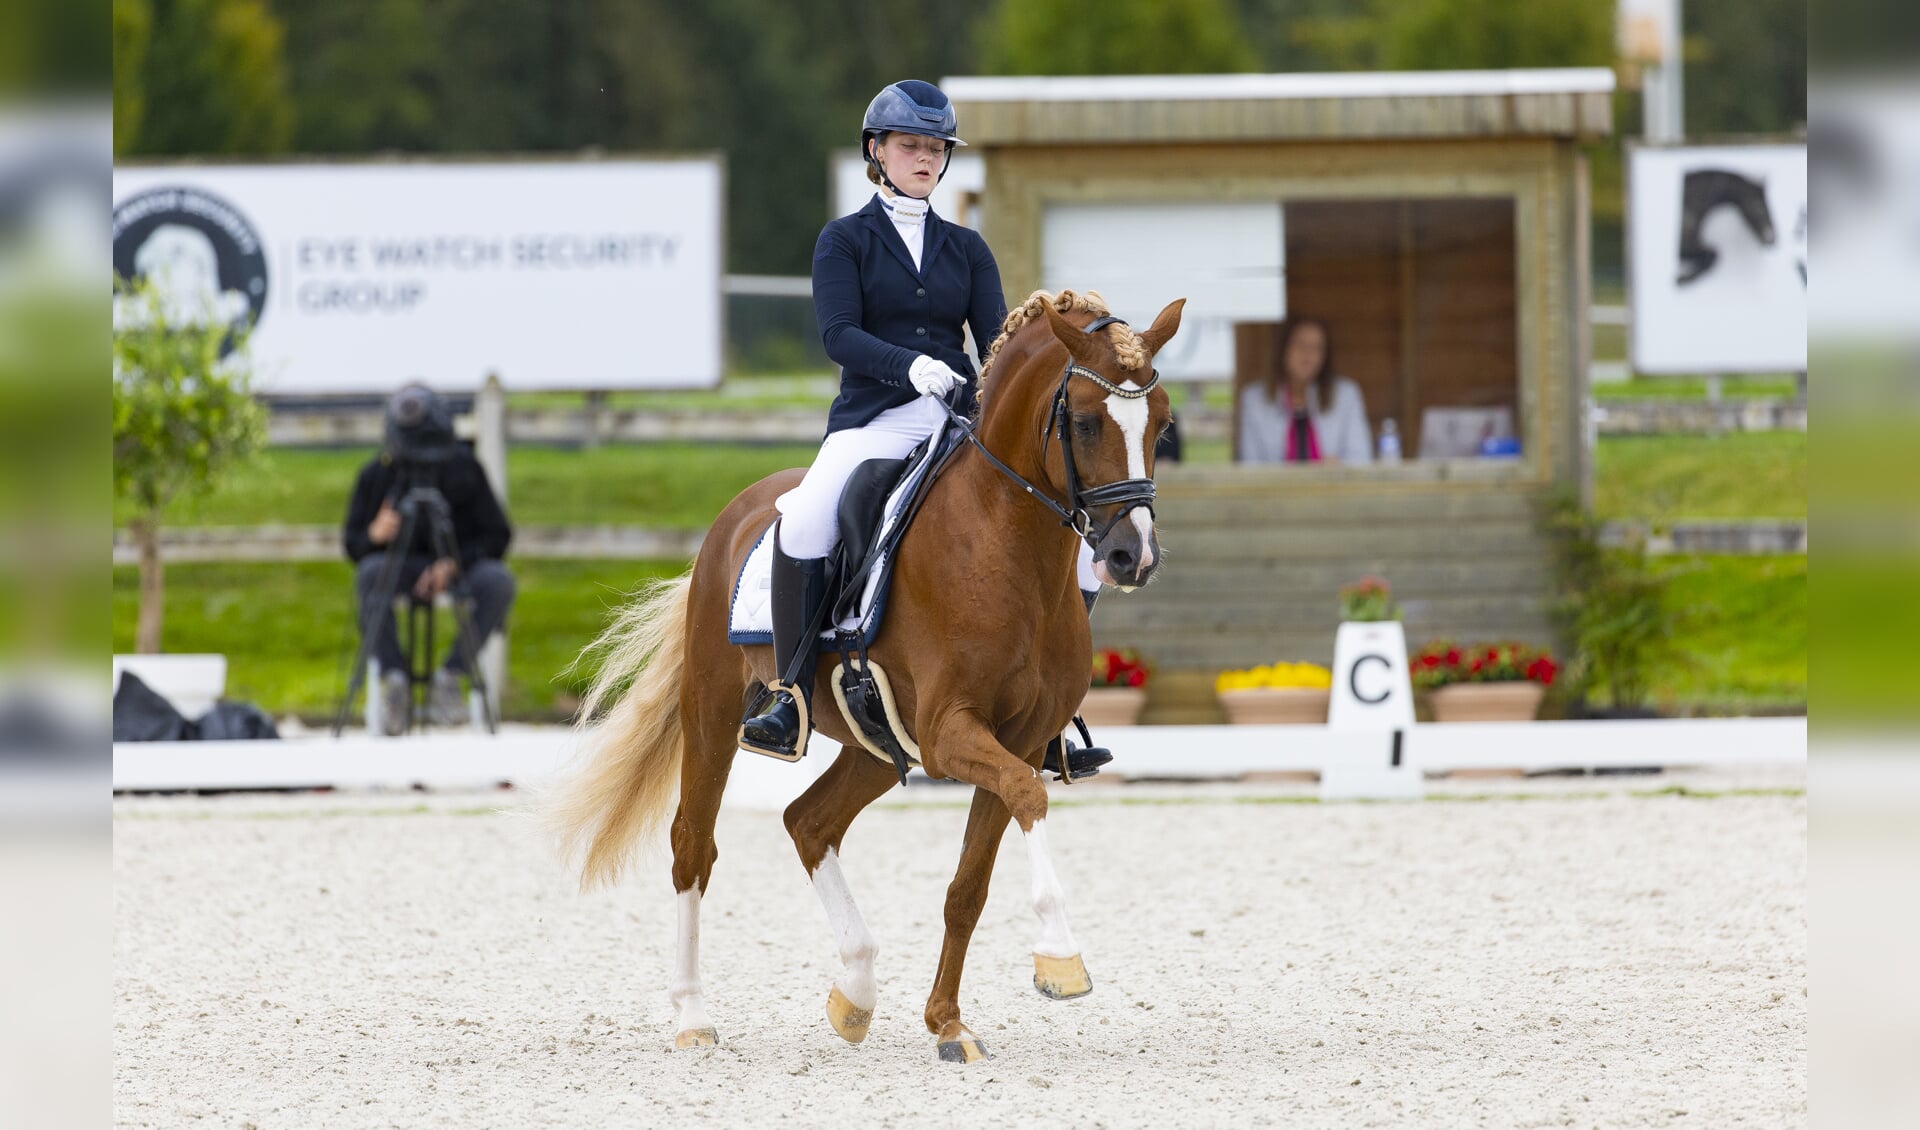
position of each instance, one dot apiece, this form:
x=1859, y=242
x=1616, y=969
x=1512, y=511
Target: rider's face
x=912, y=162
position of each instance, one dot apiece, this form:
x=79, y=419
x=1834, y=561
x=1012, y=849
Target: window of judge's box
x=1303, y=410
x=1413, y=304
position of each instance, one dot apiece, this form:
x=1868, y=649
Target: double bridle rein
x=1128, y=494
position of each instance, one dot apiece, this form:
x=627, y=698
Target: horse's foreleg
x=817, y=820
x=970, y=753
x=965, y=897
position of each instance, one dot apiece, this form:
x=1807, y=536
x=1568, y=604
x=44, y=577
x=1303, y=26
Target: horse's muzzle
x=1124, y=558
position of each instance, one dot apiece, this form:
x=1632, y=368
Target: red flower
x=1137, y=678
x=1453, y=657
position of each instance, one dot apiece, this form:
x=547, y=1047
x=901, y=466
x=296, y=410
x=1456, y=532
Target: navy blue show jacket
x=877, y=313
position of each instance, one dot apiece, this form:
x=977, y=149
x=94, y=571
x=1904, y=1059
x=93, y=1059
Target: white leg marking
x=685, y=990
x=1131, y=415
x=1049, y=900
x=857, y=947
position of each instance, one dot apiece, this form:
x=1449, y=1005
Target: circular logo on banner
x=198, y=250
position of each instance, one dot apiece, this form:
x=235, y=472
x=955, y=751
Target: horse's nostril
x=1120, y=560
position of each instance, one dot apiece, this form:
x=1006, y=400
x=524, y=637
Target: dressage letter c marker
x=1353, y=679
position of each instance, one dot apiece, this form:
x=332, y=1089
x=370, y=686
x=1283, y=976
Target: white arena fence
x=526, y=755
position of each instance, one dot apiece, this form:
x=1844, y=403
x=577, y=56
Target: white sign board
x=1226, y=260
x=955, y=197
x=1869, y=177
x=359, y=277
x=1372, y=693
x=1717, y=249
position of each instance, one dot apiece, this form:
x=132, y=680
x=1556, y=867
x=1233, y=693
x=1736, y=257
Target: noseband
x=1128, y=494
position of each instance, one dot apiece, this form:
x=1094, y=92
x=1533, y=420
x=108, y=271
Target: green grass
x=288, y=631
x=669, y=485
x=683, y=485
x=1743, y=623
x=1779, y=387
x=1742, y=475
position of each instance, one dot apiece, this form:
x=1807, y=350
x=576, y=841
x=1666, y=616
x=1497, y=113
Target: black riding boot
x=1077, y=762
x=779, y=726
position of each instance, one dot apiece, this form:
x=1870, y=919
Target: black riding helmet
x=909, y=106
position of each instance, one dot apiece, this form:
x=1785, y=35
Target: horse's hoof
x=965, y=1047
x=849, y=1020
x=696, y=1038
x=1061, y=978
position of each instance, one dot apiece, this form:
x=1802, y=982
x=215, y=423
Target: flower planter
x=1487, y=702
x=1113, y=706
x=1271, y=706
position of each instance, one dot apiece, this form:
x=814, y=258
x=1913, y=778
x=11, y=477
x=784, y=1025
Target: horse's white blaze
x=857, y=947
x=685, y=990
x=1131, y=415
x=1049, y=900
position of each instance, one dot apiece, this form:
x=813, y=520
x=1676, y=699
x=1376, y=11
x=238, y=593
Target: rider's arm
x=987, y=308
x=838, y=307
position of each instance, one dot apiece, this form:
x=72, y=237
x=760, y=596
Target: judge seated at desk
x=1303, y=413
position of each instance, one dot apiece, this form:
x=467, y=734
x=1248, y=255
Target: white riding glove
x=933, y=378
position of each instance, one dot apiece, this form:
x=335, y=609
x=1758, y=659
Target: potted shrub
x=1119, y=688
x=1275, y=694
x=1484, y=682
x=1614, y=611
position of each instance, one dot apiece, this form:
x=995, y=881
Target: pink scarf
x=1313, y=434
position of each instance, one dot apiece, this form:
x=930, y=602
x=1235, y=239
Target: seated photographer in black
x=422, y=455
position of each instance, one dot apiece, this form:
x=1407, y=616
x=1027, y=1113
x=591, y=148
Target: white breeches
x=810, y=512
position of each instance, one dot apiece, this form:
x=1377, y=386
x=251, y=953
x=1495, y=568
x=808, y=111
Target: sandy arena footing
x=1615, y=951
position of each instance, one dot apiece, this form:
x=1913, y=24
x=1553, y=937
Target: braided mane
x=1127, y=345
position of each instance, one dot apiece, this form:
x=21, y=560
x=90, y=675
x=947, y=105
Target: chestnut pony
x=986, y=644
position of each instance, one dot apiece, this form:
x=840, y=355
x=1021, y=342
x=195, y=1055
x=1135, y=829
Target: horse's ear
x=1070, y=335
x=1164, y=326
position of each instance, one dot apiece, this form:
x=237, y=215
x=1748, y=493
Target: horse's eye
x=1085, y=426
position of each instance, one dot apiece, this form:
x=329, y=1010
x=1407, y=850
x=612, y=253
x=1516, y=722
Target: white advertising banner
x=356, y=278
x=1717, y=249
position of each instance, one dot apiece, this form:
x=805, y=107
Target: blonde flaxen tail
x=628, y=769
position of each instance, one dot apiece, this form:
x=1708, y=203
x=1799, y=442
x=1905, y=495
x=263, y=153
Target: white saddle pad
x=750, y=620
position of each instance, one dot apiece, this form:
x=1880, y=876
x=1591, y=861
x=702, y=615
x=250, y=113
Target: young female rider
x=892, y=286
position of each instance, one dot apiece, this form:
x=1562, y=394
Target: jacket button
x=920, y=331
x=920, y=292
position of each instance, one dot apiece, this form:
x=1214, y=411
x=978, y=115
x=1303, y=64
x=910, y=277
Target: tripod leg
x=445, y=547
x=379, y=604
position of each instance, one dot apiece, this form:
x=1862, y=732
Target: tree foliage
x=183, y=416
x=132, y=30
x=1121, y=37
x=215, y=80
x=183, y=419
x=777, y=86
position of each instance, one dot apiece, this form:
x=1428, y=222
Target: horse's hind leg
x=817, y=820
x=986, y=823
x=707, y=714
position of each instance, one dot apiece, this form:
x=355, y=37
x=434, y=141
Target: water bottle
x=1389, y=441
